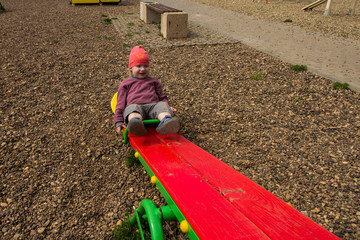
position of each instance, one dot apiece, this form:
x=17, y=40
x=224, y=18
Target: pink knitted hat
x=138, y=56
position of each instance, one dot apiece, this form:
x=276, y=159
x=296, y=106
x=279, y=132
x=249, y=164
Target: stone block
x=174, y=24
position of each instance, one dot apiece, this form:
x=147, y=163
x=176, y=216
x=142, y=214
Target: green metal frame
x=126, y=132
x=147, y=210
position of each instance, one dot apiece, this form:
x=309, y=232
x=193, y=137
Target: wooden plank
x=353, y=6
x=327, y=8
x=314, y=4
x=276, y=218
x=210, y=214
x=160, y=8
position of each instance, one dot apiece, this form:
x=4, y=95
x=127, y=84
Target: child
x=141, y=97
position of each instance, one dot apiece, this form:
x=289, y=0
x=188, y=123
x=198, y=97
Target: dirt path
x=337, y=59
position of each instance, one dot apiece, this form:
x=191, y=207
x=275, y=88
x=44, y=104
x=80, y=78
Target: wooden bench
x=174, y=22
x=216, y=201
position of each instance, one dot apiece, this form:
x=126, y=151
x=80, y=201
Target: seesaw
x=75, y=2
x=314, y=4
x=210, y=199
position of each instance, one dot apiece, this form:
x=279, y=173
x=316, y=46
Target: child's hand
x=174, y=110
x=118, y=130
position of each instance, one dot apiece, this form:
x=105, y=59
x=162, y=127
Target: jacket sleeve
x=120, y=104
x=159, y=91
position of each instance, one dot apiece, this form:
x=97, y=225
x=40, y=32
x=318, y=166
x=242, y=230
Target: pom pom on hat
x=138, y=56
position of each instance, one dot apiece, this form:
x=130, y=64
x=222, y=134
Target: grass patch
x=338, y=85
x=126, y=231
x=131, y=160
x=147, y=31
x=2, y=8
x=55, y=41
x=125, y=45
x=107, y=20
x=109, y=38
x=288, y=20
x=298, y=68
x=130, y=24
x=103, y=15
x=256, y=76
x=157, y=24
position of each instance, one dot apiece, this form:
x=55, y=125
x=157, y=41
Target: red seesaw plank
x=275, y=217
x=210, y=214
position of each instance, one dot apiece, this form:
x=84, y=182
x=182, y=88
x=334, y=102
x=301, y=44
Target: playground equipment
x=84, y=2
x=313, y=5
x=210, y=199
x=352, y=8
x=75, y=2
x=327, y=7
x=279, y=1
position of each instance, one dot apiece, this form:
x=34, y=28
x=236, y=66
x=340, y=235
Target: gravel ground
x=62, y=165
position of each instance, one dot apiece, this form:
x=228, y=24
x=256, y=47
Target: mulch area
x=63, y=173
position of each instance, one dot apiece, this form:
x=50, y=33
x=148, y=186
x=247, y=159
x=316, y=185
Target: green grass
x=288, y=20
x=126, y=232
x=338, y=85
x=298, y=68
x=109, y=38
x=2, y=7
x=131, y=160
x=158, y=24
x=130, y=24
x=55, y=41
x=256, y=76
x=107, y=20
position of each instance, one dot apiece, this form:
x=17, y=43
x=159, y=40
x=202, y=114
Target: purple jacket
x=138, y=91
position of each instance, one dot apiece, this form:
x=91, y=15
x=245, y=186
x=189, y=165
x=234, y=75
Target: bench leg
x=143, y=10
x=174, y=24
x=151, y=16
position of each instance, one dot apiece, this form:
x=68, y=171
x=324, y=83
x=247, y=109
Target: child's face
x=140, y=71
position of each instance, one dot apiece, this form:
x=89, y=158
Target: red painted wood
x=208, y=212
x=276, y=218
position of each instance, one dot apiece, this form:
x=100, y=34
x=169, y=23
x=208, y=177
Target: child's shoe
x=136, y=127
x=168, y=125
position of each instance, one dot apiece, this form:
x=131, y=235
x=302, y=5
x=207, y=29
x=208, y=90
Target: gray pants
x=147, y=111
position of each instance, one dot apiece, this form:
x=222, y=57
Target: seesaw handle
x=126, y=131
